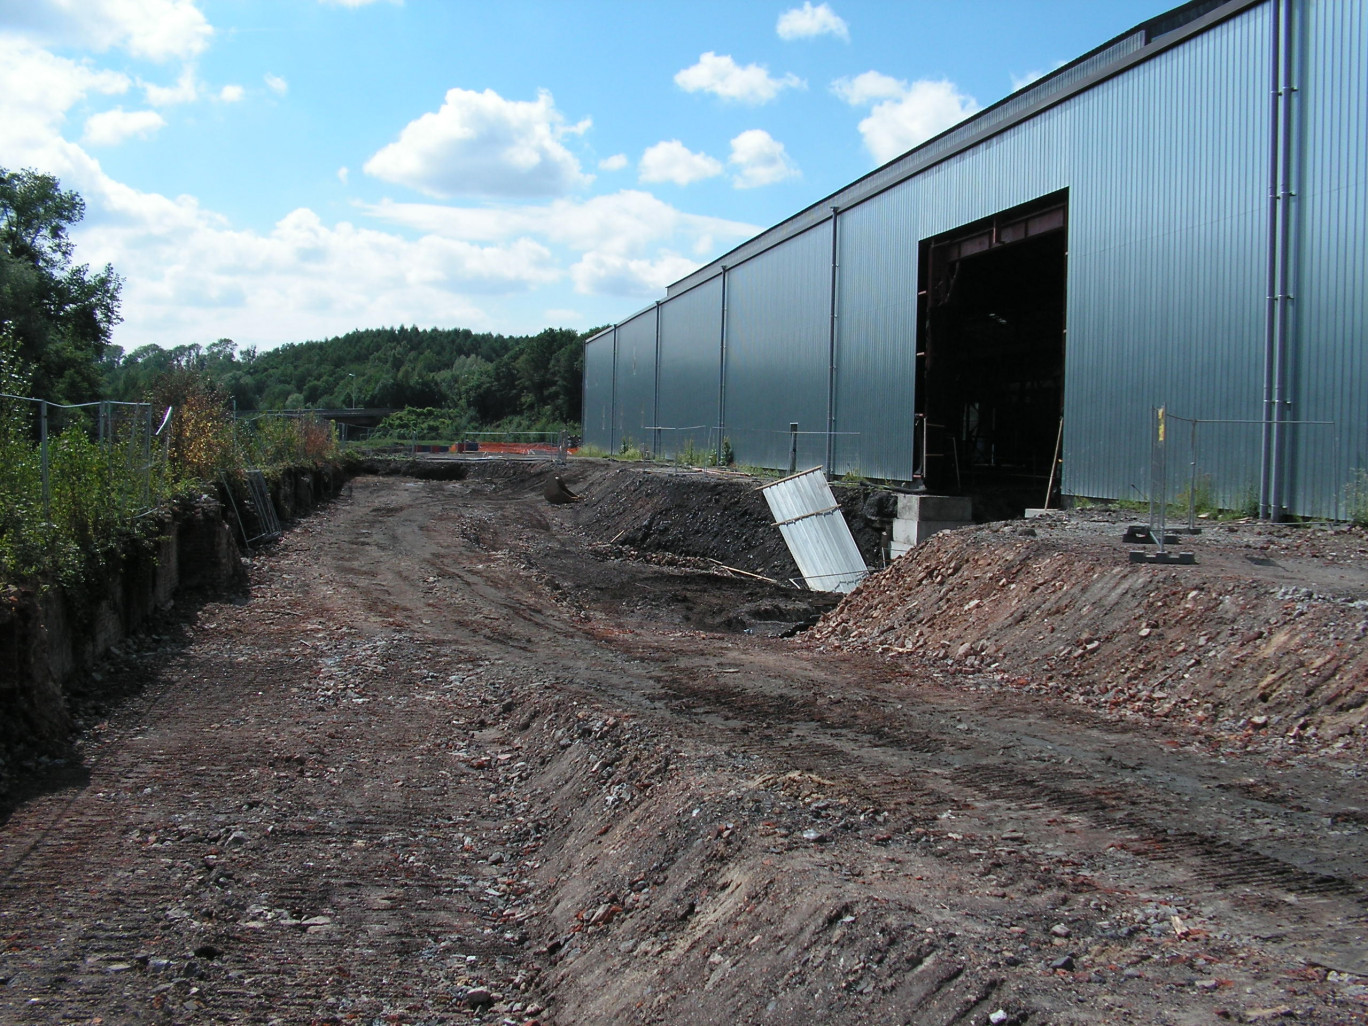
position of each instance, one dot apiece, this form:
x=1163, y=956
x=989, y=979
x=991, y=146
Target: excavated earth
x=461, y=755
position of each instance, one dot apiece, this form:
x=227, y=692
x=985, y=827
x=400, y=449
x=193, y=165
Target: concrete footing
x=921, y=516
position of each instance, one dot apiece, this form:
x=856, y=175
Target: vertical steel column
x=722, y=371
x=655, y=410
x=612, y=401
x=831, y=350
x=1281, y=392
x=1271, y=311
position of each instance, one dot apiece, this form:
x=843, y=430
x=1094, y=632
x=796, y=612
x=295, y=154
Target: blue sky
x=280, y=170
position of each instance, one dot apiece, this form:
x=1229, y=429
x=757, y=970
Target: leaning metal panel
x=809, y=518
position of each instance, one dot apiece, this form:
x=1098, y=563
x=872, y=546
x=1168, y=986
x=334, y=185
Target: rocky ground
x=464, y=756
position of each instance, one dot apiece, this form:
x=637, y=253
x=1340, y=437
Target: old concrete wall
x=49, y=636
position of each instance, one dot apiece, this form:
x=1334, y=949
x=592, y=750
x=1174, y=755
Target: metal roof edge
x=803, y=220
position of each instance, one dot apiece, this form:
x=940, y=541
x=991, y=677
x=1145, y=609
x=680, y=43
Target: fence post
x=793, y=448
x=43, y=453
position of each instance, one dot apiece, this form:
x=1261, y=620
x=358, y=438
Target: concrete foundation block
x=935, y=507
x=914, y=532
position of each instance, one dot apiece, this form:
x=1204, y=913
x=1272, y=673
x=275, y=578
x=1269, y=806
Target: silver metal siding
x=1330, y=307
x=690, y=370
x=1168, y=187
x=777, y=352
x=876, y=337
x=598, y=391
x=635, y=380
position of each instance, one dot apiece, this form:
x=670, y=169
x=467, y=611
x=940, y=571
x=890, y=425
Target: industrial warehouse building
x=1176, y=219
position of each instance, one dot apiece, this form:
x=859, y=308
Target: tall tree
x=60, y=313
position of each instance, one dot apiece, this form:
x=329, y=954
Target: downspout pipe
x=655, y=409
x=722, y=371
x=613, y=399
x=1282, y=398
x=1266, y=440
x=831, y=347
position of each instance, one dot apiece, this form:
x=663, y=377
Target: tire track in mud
x=881, y=760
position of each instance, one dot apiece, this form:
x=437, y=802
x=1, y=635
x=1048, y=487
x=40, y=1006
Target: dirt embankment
x=460, y=759
x=1265, y=633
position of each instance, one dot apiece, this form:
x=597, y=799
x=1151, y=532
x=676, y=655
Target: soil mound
x=1228, y=645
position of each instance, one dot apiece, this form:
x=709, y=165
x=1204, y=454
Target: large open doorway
x=990, y=358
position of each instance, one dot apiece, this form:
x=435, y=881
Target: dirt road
x=454, y=759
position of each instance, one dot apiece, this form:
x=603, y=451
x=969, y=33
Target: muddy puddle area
x=466, y=756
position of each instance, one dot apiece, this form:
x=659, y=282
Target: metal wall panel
x=1330, y=288
x=598, y=391
x=876, y=337
x=690, y=370
x=1165, y=290
x=635, y=381
x=777, y=352
x=1166, y=166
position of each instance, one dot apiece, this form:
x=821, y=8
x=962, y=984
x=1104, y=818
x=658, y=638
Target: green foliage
x=427, y=424
x=493, y=377
x=59, y=315
x=1356, y=499
x=95, y=493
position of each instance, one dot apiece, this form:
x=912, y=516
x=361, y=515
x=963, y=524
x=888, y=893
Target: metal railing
x=124, y=431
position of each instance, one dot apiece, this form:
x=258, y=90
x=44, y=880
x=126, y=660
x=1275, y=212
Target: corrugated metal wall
x=778, y=352
x=690, y=370
x=1330, y=288
x=876, y=340
x=1166, y=167
x=598, y=391
x=635, y=381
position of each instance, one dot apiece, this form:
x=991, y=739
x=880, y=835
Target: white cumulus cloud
x=479, y=144
x=903, y=115
x=760, y=159
x=185, y=90
x=155, y=30
x=276, y=84
x=807, y=21
x=605, y=274
x=628, y=243
x=871, y=85
x=723, y=77
x=110, y=127
x=614, y=163
x=343, y=174
x=232, y=93
x=672, y=161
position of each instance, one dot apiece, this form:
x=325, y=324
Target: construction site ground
x=461, y=755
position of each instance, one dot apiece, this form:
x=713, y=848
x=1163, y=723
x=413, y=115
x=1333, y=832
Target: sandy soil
x=462, y=756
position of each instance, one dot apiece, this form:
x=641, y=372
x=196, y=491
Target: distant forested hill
x=494, y=377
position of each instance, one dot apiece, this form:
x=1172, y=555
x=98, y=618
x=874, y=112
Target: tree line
x=488, y=378
x=56, y=317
